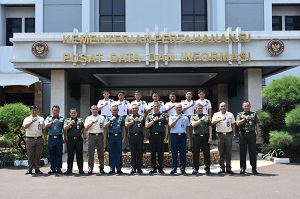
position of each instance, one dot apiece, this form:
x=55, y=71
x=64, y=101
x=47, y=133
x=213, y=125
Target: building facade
x=80, y=48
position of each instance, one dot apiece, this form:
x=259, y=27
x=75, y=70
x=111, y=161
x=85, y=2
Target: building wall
x=62, y=15
x=249, y=15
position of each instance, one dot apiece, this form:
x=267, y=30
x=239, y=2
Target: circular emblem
x=39, y=49
x=275, y=46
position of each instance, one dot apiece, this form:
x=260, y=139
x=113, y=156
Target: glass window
x=292, y=23
x=112, y=16
x=193, y=15
x=30, y=25
x=13, y=25
x=276, y=23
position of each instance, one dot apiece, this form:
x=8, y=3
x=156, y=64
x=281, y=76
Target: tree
x=11, y=120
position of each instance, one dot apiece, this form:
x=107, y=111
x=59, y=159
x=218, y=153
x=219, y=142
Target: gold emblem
x=39, y=49
x=275, y=47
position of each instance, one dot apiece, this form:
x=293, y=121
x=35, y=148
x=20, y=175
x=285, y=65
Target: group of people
x=183, y=125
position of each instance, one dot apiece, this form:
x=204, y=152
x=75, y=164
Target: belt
x=74, y=138
x=55, y=136
x=135, y=133
x=156, y=133
x=115, y=134
x=34, y=137
x=95, y=134
x=246, y=131
x=200, y=134
x=178, y=134
x=224, y=133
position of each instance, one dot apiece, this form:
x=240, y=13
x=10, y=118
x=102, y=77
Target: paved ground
x=273, y=181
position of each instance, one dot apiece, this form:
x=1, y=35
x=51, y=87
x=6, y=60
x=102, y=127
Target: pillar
x=253, y=87
x=59, y=82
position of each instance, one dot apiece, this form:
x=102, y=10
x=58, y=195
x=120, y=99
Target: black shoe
x=111, y=172
x=173, y=172
x=51, y=172
x=139, y=171
x=105, y=149
x=90, y=171
x=119, y=172
x=68, y=172
x=81, y=172
x=254, y=171
x=242, y=171
x=221, y=171
x=28, y=172
x=161, y=171
x=125, y=150
x=229, y=172
x=38, y=171
x=208, y=171
x=133, y=171
x=195, y=171
x=59, y=171
x=102, y=171
x=153, y=171
x=183, y=172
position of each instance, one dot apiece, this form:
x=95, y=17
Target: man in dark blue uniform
x=116, y=127
x=54, y=125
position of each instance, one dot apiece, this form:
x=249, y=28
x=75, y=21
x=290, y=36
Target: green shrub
x=292, y=119
x=281, y=139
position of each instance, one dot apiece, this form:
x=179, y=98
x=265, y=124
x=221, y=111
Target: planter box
x=285, y=160
x=18, y=163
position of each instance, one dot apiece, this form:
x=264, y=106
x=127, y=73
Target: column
x=253, y=87
x=59, y=83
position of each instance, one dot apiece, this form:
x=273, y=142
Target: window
x=292, y=23
x=276, y=23
x=14, y=25
x=193, y=15
x=112, y=16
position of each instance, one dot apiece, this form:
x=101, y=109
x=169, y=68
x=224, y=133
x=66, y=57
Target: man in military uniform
x=179, y=124
x=225, y=128
x=34, y=126
x=136, y=125
x=94, y=124
x=207, y=108
x=249, y=134
x=155, y=97
x=124, y=107
x=73, y=130
x=142, y=105
x=116, y=127
x=54, y=124
x=202, y=136
x=158, y=127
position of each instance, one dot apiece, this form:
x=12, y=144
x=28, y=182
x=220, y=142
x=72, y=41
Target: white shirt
x=205, y=102
x=106, y=109
x=168, y=105
x=36, y=128
x=190, y=111
x=123, y=107
x=97, y=127
x=142, y=106
x=226, y=125
x=161, y=110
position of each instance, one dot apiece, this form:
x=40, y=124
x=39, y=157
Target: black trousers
x=201, y=141
x=75, y=146
x=136, y=143
x=248, y=140
x=157, y=146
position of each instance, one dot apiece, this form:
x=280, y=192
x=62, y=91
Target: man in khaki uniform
x=34, y=126
x=225, y=128
x=94, y=124
x=202, y=132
